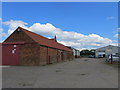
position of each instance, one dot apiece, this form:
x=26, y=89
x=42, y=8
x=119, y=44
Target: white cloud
x=114, y=44
x=45, y=29
x=1, y=41
x=74, y=39
x=110, y=17
x=2, y=33
x=13, y=24
x=116, y=35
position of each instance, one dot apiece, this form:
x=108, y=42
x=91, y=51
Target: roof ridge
x=32, y=32
x=45, y=41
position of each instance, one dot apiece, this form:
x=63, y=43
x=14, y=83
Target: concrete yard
x=79, y=73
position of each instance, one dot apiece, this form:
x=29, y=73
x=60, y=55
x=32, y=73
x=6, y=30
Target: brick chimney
x=55, y=38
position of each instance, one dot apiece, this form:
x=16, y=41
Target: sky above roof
x=77, y=24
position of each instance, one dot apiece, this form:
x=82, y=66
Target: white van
x=113, y=57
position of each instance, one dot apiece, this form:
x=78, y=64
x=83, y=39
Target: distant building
x=24, y=47
x=106, y=51
x=76, y=53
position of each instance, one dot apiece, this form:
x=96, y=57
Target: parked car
x=91, y=56
x=100, y=56
x=113, y=57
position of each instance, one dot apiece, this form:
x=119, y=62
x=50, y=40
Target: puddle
x=58, y=70
x=82, y=74
x=85, y=60
x=25, y=84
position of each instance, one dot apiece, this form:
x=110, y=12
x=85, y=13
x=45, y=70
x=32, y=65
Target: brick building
x=24, y=47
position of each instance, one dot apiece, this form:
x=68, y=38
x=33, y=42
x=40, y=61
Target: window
x=15, y=46
x=18, y=30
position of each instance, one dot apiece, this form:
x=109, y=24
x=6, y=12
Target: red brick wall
x=43, y=55
x=65, y=56
x=52, y=55
x=19, y=37
x=29, y=54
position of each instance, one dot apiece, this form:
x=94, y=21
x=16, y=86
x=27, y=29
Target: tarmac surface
x=79, y=73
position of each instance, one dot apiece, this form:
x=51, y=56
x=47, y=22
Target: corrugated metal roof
x=45, y=41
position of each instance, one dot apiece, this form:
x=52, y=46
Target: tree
x=92, y=52
x=87, y=52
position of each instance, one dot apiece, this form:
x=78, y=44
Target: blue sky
x=86, y=18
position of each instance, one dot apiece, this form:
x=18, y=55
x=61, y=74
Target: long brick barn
x=24, y=47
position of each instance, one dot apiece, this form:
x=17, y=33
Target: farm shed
x=24, y=47
x=76, y=53
x=107, y=50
